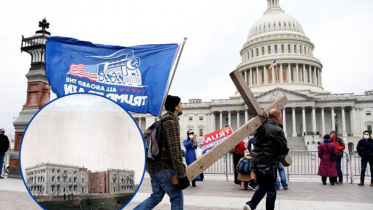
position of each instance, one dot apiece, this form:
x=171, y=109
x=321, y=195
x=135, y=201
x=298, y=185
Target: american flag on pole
x=274, y=63
x=84, y=71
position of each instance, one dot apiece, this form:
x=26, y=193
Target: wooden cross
x=198, y=166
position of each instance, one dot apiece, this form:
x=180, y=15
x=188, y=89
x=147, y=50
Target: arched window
x=274, y=24
x=257, y=52
x=269, y=49
x=275, y=48
x=300, y=49
x=262, y=50
x=248, y=55
x=279, y=24
x=264, y=27
x=295, y=48
x=305, y=50
x=269, y=25
x=289, y=49
x=285, y=24
x=252, y=53
x=282, y=48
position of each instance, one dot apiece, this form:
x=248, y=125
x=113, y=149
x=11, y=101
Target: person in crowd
x=270, y=144
x=191, y=144
x=248, y=182
x=4, y=146
x=328, y=153
x=340, y=146
x=169, y=164
x=250, y=143
x=237, y=155
x=281, y=171
x=365, y=150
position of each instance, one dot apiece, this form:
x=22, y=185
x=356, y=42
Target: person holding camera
x=190, y=144
x=328, y=153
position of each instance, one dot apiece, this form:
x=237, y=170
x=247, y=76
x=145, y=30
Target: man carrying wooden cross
x=270, y=144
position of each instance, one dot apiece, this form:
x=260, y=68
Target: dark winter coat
x=365, y=148
x=270, y=144
x=327, y=167
x=4, y=144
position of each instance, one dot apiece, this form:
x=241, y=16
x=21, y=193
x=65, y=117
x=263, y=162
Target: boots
x=194, y=183
x=361, y=184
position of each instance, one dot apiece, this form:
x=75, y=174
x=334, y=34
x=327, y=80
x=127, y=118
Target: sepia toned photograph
x=82, y=152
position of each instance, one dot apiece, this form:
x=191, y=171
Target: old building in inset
x=111, y=181
x=56, y=179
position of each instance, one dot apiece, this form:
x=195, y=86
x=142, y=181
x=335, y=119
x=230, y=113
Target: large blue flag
x=137, y=77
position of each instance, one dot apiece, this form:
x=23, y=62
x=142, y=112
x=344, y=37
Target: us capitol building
x=298, y=75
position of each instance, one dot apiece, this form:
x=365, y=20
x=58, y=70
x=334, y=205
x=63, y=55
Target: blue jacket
x=190, y=154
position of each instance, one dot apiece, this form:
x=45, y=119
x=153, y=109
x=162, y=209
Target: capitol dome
x=279, y=38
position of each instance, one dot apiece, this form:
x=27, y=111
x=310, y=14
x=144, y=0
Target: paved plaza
x=217, y=193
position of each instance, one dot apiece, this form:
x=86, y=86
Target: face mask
x=366, y=137
x=190, y=136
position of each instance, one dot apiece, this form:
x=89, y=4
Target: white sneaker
x=246, y=207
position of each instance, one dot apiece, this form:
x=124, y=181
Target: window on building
x=269, y=25
x=284, y=24
x=305, y=51
x=200, y=117
x=369, y=128
x=274, y=24
x=289, y=49
x=200, y=132
x=252, y=53
x=264, y=26
x=269, y=49
x=100, y=182
x=257, y=52
x=190, y=118
x=295, y=48
x=248, y=55
x=275, y=48
x=368, y=113
x=300, y=49
x=282, y=48
x=279, y=24
x=82, y=180
x=262, y=50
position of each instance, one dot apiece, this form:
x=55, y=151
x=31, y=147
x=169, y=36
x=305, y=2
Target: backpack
x=244, y=167
x=153, y=139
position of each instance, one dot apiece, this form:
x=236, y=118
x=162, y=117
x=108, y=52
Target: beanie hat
x=326, y=136
x=171, y=103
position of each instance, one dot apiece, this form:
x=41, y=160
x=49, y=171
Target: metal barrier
x=304, y=163
x=356, y=167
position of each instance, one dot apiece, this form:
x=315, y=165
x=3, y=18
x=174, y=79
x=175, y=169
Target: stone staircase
x=296, y=143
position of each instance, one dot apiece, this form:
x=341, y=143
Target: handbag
x=331, y=155
x=285, y=160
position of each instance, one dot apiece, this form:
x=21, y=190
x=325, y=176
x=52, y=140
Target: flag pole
x=173, y=74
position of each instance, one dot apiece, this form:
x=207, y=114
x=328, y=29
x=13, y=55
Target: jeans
x=281, y=171
x=161, y=184
x=339, y=170
x=1, y=163
x=364, y=162
x=266, y=178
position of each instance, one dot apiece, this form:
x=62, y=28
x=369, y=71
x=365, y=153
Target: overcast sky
x=216, y=31
x=84, y=130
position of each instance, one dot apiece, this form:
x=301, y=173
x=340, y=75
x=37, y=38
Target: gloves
x=180, y=183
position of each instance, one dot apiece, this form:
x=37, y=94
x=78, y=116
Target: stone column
x=304, y=74
x=313, y=120
x=344, y=133
x=322, y=121
x=353, y=120
x=221, y=119
x=281, y=75
x=320, y=78
x=304, y=120
x=213, y=121
x=229, y=118
x=246, y=77
x=250, y=78
x=309, y=75
x=257, y=76
x=140, y=124
x=314, y=76
x=289, y=73
x=333, y=120
x=297, y=74
x=294, y=134
x=265, y=75
x=284, y=120
x=238, y=120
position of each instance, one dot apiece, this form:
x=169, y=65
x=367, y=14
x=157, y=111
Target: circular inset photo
x=82, y=151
